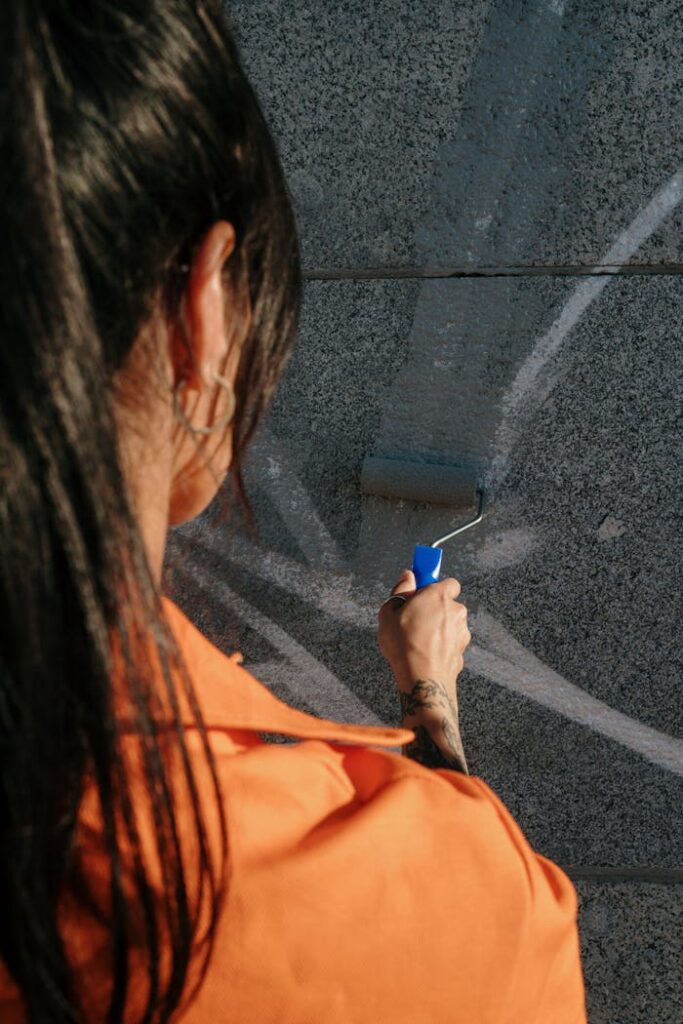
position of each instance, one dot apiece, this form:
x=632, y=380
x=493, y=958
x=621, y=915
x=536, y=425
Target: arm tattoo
x=446, y=751
x=427, y=693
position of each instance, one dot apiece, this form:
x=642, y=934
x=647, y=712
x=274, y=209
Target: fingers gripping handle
x=426, y=565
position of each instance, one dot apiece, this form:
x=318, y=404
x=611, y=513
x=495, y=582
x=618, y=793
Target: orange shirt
x=363, y=887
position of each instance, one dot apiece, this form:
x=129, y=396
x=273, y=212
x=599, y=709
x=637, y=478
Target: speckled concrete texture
x=632, y=950
x=597, y=480
x=572, y=565
x=473, y=134
x=360, y=97
x=532, y=149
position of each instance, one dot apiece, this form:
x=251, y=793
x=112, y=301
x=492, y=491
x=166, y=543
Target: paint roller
x=429, y=483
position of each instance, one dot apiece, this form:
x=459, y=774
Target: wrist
x=427, y=700
x=407, y=673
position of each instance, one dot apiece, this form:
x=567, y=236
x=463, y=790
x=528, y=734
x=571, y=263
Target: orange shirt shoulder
x=365, y=887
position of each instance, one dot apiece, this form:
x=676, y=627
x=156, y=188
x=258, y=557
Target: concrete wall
x=469, y=178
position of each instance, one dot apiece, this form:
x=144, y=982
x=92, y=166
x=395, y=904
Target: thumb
x=407, y=584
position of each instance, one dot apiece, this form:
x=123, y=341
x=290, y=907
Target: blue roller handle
x=426, y=565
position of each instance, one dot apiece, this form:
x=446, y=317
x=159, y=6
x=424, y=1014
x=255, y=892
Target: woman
x=157, y=857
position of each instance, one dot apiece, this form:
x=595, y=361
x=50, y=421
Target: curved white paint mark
x=269, y=460
x=497, y=656
x=329, y=593
x=532, y=383
x=313, y=682
x=505, y=661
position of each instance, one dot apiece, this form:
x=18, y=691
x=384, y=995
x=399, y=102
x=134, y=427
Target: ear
x=205, y=305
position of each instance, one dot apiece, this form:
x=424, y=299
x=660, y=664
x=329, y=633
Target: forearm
x=432, y=713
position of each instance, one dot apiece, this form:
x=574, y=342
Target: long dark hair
x=126, y=129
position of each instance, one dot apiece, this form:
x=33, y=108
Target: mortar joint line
x=435, y=273
x=624, y=873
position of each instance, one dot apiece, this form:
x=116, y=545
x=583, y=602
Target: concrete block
x=474, y=135
x=359, y=96
x=632, y=949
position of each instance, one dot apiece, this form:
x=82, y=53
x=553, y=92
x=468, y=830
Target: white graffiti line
x=502, y=659
x=505, y=661
x=322, y=691
x=270, y=464
x=329, y=593
x=532, y=382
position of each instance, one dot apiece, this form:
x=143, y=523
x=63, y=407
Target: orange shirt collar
x=231, y=698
